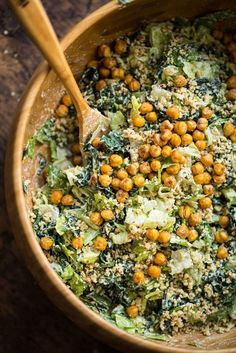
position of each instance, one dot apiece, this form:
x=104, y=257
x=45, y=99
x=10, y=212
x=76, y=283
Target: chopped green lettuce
x=117, y=120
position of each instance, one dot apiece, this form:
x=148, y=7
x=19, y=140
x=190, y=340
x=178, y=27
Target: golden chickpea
x=182, y=231
x=75, y=148
x=219, y=179
x=104, y=72
x=104, y=51
x=77, y=243
x=138, y=121
x=185, y=211
x=92, y=63
x=106, y=169
x=166, y=135
x=128, y=78
x=107, y=215
x=144, y=151
x=96, y=143
x=202, y=124
x=154, y=271
x=201, y=145
x=101, y=84
x=203, y=178
x=151, y=117
x=100, y=244
x=191, y=125
x=96, y=218
x=126, y=184
x=155, y=165
x=180, y=81
x=192, y=235
x=46, y=243
x=194, y=219
x=67, y=200
x=198, y=135
x=231, y=82
x=157, y=139
x=224, y=221
x=118, y=72
x=228, y=129
x=122, y=196
x=77, y=160
x=152, y=234
x=109, y=62
x=207, y=160
x=145, y=168
x=160, y=259
x=205, y=202
x=120, y=47
x=231, y=94
x=208, y=189
x=173, y=112
x=197, y=168
x=134, y=85
x=66, y=100
x=139, y=181
x=207, y=113
x=186, y=139
x=138, y=277
x=115, y=160
x=104, y=180
x=177, y=157
x=173, y=169
x=122, y=174
x=133, y=168
x=219, y=169
x=221, y=237
x=56, y=196
x=166, y=151
x=155, y=151
x=233, y=136
x=62, y=111
x=132, y=311
x=222, y=253
x=227, y=38
x=115, y=183
x=217, y=34
x=180, y=128
x=168, y=180
x=145, y=108
x=166, y=125
x=175, y=140
x=164, y=237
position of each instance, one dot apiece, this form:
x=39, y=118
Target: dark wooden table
x=29, y=322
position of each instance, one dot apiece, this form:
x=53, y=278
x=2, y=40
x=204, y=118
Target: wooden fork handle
x=36, y=22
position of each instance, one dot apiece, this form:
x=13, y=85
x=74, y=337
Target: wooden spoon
x=36, y=22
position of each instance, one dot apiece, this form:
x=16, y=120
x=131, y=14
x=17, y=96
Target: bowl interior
x=104, y=26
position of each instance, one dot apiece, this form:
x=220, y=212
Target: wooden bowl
x=39, y=100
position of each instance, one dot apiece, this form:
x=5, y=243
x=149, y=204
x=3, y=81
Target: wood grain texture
x=28, y=320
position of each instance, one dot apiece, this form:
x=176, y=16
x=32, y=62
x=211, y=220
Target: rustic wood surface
x=29, y=322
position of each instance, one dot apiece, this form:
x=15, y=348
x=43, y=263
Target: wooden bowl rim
x=24, y=234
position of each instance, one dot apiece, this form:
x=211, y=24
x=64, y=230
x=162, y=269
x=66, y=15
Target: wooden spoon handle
x=36, y=22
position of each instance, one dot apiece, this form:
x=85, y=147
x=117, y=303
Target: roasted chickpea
x=145, y=168
x=122, y=174
x=233, y=136
x=221, y=236
x=100, y=244
x=175, y=140
x=184, y=211
x=202, y=124
x=46, y=243
x=207, y=160
x=173, y=169
x=104, y=51
x=205, y=202
x=67, y=200
x=122, y=196
x=109, y=62
x=66, y=100
x=231, y=82
x=192, y=235
x=77, y=243
x=101, y=84
x=227, y=38
x=231, y=94
x=155, y=151
x=126, y=184
x=224, y=221
x=132, y=311
x=154, y=271
x=128, y=78
x=96, y=143
x=173, y=112
x=56, y=196
x=144, y=151
x=160, y=259
x=104, y=180
x=139, y=181
x=197, y=168
x=201, y=145
x=107, y=215
x=208, y=189
x=180, y=128
x=133, y=168
x=96, y=218
x=145, y=108
x=62, y=111
x=155, y=165
x=222, y=253
x=219, y=169
x=157, y=139
x=194, y=219
x=180, y=81
x=166, y=125
x=198, y=135
x=92, y=63
x=168, y=180
x=164, y=237
x=115, y=183
x=152, y=234
x=138, y=277
x=166, y=135
x=207, y=113
x=219, y=179
x=75, y=148
x=115, y=160
x=118, y=72
x=138, y=121
x=217, y=34
x=106, y=169
x=177, y=157
x=182, y=231
x=191, y=125
x=166, y=151
x=228, y=129
x=134, y=85
x=203, y=178
x=104, y=72
x=151, y=117
x=120, y=47
x=186, y=139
